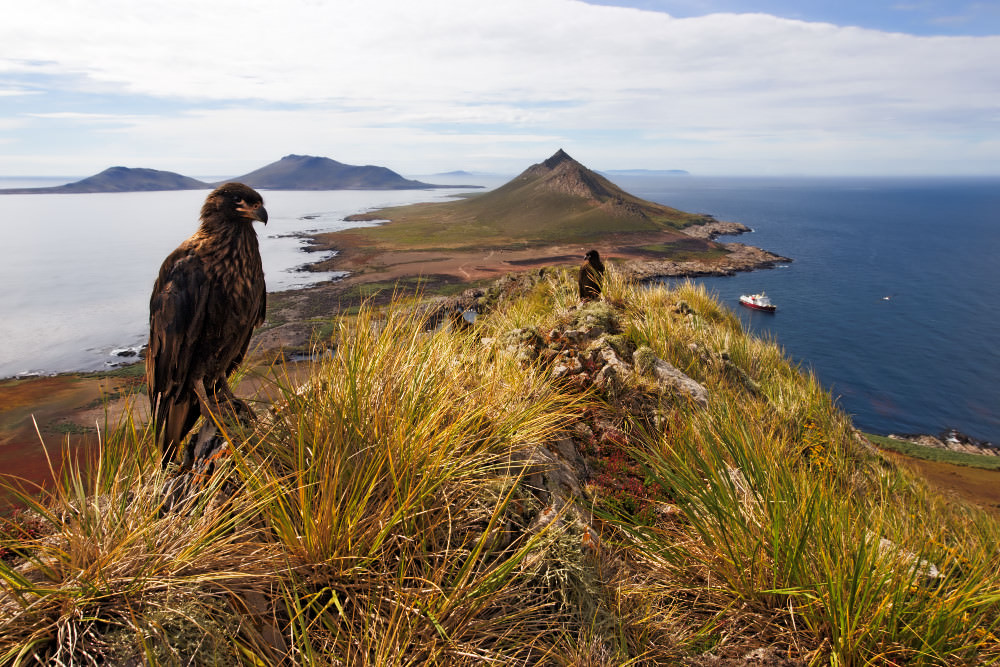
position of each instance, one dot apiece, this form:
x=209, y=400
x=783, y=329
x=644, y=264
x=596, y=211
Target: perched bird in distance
x=206, y=302
x=591, y=273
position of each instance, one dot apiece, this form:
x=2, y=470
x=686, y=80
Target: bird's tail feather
x=171, y=422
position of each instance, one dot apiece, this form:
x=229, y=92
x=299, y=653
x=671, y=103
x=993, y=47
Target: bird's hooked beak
x=253, y=211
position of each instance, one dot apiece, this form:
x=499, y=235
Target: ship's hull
x=757, y=306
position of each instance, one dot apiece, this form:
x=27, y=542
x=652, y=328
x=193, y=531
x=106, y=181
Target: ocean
x=77, y=270
x=891, y=298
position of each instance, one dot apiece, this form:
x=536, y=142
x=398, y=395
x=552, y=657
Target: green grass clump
x=382, y=513
x=390, y=487
x=129, y=369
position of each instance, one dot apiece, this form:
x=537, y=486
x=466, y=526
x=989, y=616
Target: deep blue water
x=892, y=298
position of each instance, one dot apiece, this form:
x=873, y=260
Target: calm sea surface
x=76, y=270
x=892, y=298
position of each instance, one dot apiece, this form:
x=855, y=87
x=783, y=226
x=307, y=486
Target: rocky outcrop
x=588, y=353
x=740, y=258
x=677, y=382
x=713, y=228
x=951, y=440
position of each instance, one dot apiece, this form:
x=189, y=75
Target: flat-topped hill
x=308, y=172
x=120, y=179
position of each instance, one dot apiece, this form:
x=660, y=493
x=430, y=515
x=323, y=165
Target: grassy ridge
x=384, y=514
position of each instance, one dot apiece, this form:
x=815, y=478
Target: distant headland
x=118, y=179
x=292, y=172
x=645, y=172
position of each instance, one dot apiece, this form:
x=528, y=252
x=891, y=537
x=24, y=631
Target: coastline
x=376, y=273
x=70, y=409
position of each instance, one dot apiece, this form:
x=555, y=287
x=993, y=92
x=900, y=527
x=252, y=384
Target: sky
x=217, y=88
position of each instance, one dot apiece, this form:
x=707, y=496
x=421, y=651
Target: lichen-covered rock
x=526, y=336
x=644, y=359
x=621, y=344
x=597, y=314
x=674, y=380
x=669, y=375
x=565, y=367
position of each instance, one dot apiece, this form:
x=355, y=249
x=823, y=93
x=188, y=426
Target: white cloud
x=406, y=76
x=81, y=117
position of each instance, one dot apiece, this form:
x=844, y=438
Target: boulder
x=669, y=377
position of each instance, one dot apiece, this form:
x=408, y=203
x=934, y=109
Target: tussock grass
x=390, y=485
x=105, y=563
x=789, y=513
x=385, y=513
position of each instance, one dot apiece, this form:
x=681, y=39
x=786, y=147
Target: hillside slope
x=631, y=481
x=555, y=201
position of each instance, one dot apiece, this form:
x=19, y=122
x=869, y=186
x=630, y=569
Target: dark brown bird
x=591, y=273
x=206, y=302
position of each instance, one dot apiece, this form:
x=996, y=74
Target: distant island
x=119, y=179
x=307, y=172
x=645, y=172
x=292, y=172
x=462, y=173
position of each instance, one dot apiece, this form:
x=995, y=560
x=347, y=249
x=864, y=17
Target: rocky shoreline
x=952, y=440
x=712, y=228
x=740, y=258
x=370, y=273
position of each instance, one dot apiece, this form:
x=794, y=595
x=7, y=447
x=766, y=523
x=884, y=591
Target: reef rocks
x=741, y=257
x=953, y=440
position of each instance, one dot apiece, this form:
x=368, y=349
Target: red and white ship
x=758, y=302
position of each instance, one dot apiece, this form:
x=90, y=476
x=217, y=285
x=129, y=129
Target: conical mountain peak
x=558, y=158
x=562, y=194
x=562, y=174
x=556, y=200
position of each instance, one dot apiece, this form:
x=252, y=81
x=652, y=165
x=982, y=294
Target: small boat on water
x=758, y=302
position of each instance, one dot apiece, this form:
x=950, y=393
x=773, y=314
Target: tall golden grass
x=380, y=514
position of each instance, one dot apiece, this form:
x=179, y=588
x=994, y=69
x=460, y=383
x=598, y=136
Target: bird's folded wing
x=176, y=318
